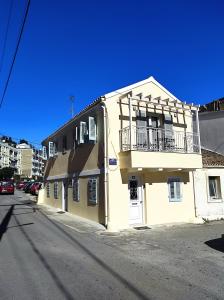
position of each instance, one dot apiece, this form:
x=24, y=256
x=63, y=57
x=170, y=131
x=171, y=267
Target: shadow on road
x=5, y=221
x=217, y=244
x=58, y=282
x=116, y=275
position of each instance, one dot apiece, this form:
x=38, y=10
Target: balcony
x=148, y=147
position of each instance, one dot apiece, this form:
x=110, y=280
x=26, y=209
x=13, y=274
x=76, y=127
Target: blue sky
x=89, y=48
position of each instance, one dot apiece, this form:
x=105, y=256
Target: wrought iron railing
x=159, y=140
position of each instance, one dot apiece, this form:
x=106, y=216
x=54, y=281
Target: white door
x=64, y=195
x=135, y=201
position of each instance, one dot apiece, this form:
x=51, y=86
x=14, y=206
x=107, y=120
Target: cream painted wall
x=159, y=209
x=83, y=208
x=205, y=207
x=57, y=203
x=143, y=159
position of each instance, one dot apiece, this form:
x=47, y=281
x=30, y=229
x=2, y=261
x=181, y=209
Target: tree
x=6, y=173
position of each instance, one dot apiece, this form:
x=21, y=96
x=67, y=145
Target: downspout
x=195, y=205
x=106, y=175
x=198, y=131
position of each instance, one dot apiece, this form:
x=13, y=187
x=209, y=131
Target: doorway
x=135, y=200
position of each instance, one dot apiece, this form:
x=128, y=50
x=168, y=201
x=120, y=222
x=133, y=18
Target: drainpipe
x=195, y=204
x=198, y=131
x=130, y=120
x=106, y=175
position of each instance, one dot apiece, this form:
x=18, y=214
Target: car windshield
x=6, y=184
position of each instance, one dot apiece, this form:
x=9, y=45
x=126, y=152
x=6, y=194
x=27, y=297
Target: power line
x=16, y=50
x=6, y=35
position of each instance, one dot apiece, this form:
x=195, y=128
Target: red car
x=34, y=190
x=7, y=188
x=20, y=185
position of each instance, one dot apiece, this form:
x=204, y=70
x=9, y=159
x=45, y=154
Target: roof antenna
x=72, y=104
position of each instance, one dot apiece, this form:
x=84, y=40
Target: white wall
x=205, y=207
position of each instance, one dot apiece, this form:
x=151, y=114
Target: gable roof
x=211, y=158
x=128, y=88
x=121, y=91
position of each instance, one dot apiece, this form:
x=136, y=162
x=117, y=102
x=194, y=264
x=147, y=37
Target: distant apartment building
x=9, y=156
x=31, y=161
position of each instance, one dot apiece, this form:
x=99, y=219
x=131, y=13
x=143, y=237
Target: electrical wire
x=6, y=35
x=16, y=51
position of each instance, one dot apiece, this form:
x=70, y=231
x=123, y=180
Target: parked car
x=28, y=187
x=35, y=188
x=7, y=187
x=20, y=185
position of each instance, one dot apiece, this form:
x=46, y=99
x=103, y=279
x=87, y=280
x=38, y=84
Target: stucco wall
x=51, y=200
x=211, y=136
x=158, y=207
x=205, y=207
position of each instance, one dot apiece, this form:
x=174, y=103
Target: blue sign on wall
x=112, y=161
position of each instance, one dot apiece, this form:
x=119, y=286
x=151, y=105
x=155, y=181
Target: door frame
x=142, y=195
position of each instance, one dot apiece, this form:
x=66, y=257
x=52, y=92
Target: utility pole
x=72, y=105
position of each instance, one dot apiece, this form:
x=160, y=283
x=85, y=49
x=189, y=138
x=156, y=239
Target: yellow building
x=127, y=159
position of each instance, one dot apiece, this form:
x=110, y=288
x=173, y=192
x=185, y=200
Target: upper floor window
x=214, y=187
x=64, y=143
x=174, y=186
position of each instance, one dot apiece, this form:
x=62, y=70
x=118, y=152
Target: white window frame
x=91, y=198
x=76, y=189
x=56, y=190
x=218, y=197
x=176, y=181
x=92, y=129
x=48, y=189
x=51, y=149
x=82, y=132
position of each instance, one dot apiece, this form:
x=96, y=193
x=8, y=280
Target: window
x=174, y=185
x=92, y=129
x=214, y=187
x=92, y=190
x=75, y=137
x=82, y=132
x=56, y=190
x=75, y=188
x=64, y=143
x=51, y=149
x=48, y=190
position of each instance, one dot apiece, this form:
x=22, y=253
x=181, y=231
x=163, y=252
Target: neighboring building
x=9, y=156
x=31, y=161
x=215, y=105
x=211, y=118
x=211, y=130
x=127, y=159
x=209, y=186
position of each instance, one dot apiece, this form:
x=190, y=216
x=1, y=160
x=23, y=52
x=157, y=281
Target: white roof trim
x=129, y=88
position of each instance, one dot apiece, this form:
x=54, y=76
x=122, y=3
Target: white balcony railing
x=159, y=140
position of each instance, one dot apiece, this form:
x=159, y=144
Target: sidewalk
x=76, y=223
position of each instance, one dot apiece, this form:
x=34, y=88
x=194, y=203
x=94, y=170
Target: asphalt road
x=43, y=259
